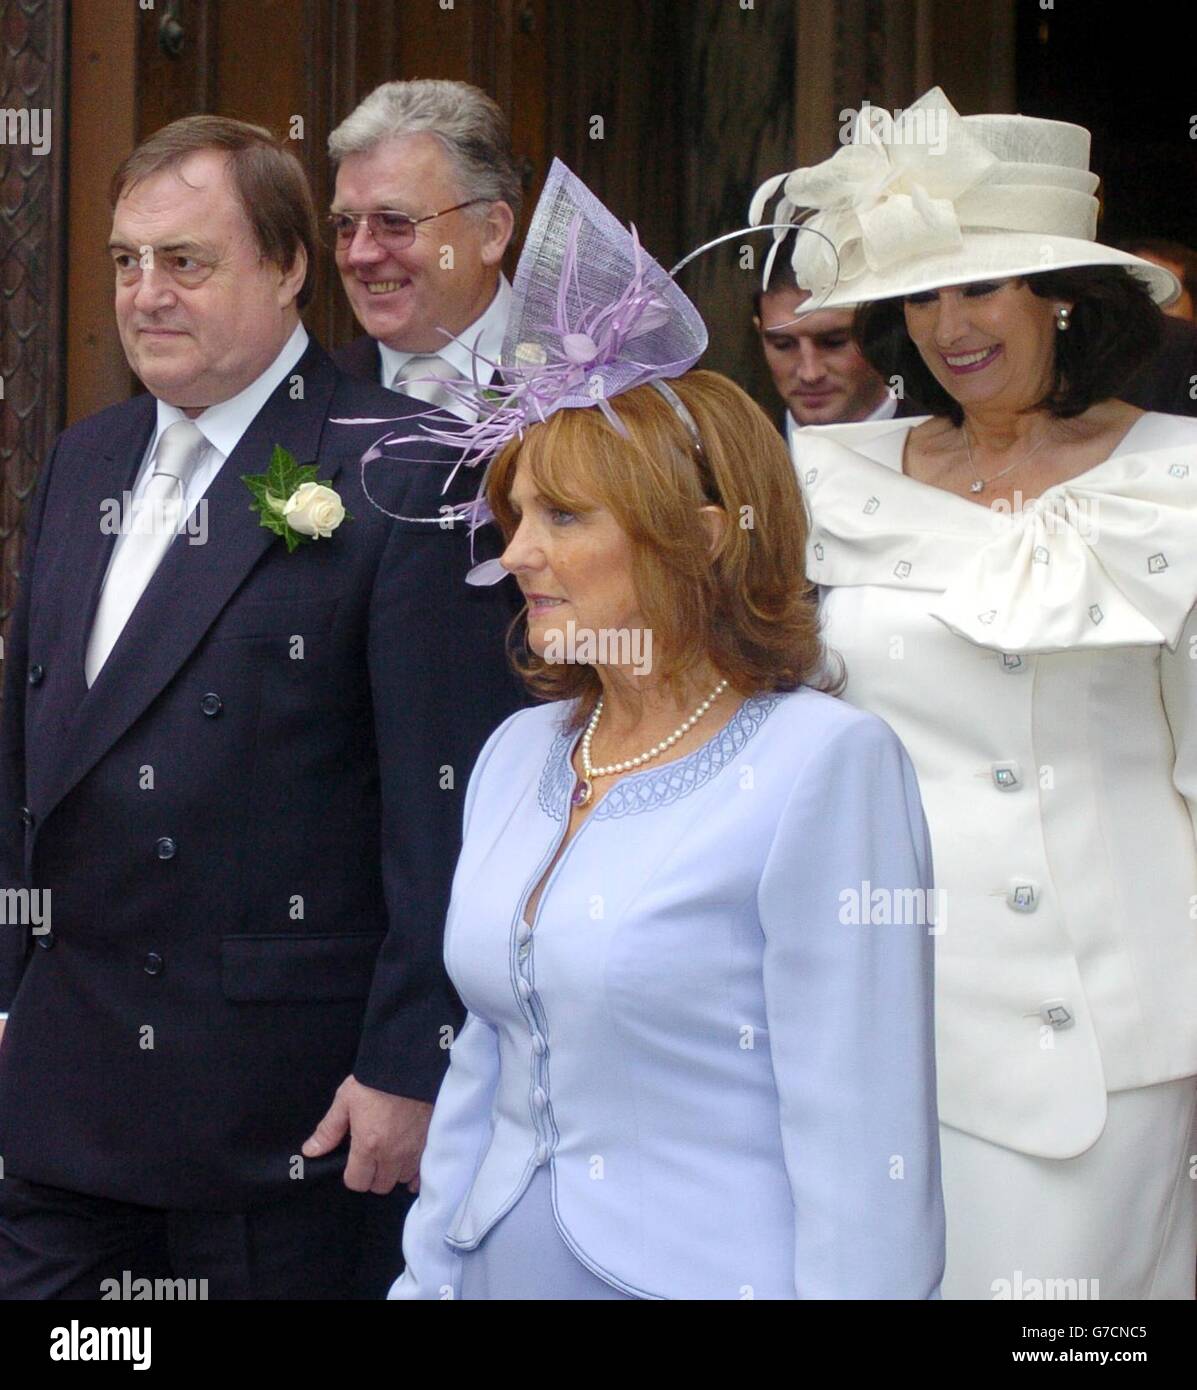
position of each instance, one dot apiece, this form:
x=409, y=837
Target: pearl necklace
x=584, y=788
x=978, y=484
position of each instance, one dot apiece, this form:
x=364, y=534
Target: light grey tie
x=423, y=377
x=152, y=525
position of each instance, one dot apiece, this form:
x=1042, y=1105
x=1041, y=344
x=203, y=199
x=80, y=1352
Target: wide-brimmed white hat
x=926, y=197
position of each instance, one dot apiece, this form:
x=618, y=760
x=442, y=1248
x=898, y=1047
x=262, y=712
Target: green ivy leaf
x=271, y=490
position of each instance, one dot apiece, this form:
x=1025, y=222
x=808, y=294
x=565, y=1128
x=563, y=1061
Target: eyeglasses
x=392, y=230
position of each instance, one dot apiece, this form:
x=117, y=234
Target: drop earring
x=1063, y=318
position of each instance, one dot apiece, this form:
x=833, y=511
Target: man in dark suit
x=427, y=197
x=237, y=770
x=1168, y=380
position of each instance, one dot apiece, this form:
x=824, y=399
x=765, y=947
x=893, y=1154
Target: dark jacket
x=247, y=825
x=1168, y=381
x=360, y=358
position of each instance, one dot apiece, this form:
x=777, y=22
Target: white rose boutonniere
x=291, y=503
x=314, y=510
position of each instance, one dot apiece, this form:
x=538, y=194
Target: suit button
x=542, y=1154
x=166, y=848
x=523, y=988
x=211, y=704
x=36, y=674
x=539, y=1099
x=538, y=1044
x=1005, y=776
x=153, y=964
x=1056, y=1012
x=1023, y=896
x=26, y=816
x=45, y=940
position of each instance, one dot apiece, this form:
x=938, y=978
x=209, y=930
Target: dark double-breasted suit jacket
x=247, y=826
x=360, y=358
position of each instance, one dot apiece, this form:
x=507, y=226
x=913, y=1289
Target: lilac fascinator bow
x=592, y=316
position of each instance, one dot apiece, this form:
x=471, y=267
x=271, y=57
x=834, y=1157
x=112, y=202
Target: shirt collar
x=484, y=336
x=222, y=425
x=885, y=411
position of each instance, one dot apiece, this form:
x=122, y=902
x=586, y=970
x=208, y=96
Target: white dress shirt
x=484, y=337
x=221, y=425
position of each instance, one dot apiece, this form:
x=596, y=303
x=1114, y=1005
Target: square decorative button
x=871, y=506
x=1005, y=776
x=1011, y=662
x=1156, y=564
x=1179, y=470
x=1095, y=613
x=1022, y=897
x=902, y=569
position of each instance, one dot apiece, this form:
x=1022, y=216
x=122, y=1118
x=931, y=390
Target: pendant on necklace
x=582, y=791
x=977, y=486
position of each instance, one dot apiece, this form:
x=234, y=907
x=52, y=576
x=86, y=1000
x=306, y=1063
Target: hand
x=386, y=1136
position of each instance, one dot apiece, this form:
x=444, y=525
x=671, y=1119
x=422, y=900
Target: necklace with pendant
x=584, y=787
x=979, y=484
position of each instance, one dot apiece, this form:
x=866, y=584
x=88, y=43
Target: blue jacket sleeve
x=848, y=994
x=457, y=1139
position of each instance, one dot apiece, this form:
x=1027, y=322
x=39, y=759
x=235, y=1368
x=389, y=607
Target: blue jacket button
x=211, y=704
x=166, y=848
x=153, y=964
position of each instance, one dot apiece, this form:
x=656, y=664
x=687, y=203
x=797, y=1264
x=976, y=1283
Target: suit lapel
x=194, y=582
x=87, y=550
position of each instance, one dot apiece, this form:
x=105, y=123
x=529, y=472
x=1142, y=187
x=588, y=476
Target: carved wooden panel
x=32, y=141
x=737, y=129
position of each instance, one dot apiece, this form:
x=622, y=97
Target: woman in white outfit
x=1010, y=583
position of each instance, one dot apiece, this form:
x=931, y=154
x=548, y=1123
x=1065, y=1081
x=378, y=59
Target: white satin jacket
x=1041, y=669
x=730, y=1077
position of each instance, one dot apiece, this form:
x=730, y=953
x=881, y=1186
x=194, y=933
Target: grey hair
x=471, y=127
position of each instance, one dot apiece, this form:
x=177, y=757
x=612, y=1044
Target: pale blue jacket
x=716, y=1036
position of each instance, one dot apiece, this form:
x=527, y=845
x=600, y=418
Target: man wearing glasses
x=427, y=197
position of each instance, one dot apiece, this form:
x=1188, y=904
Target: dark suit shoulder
x=359, y=358
x=1165, y=381
x=109, y=423
x=410, y=476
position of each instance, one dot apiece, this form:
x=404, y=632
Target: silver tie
x=423, y=378
x=151, y=526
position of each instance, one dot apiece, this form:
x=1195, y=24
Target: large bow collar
x=1106, y=559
